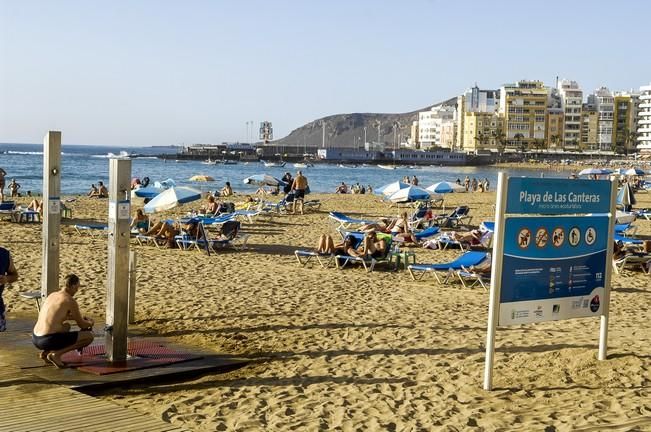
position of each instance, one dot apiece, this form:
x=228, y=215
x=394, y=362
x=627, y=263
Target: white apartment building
x=644, y=120
x=571, y=97
x=430, y=125
x=604, y=102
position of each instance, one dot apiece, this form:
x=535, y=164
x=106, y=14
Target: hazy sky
x=169, y=72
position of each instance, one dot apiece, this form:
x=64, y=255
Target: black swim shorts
x=55, y=341
x=299, y=193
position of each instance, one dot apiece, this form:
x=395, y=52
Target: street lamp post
x=364, y=136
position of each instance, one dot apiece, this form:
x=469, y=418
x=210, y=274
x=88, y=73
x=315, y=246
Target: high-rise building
x=429, y=125
x=589, y=127
x=571, y=97
x=604, y=102
x=554, y=128
x=477, y=100
x=482, y=131
x=625, y=121
x=644, y=120
x=524, y=107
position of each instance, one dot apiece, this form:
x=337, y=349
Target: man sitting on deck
x=52, y=333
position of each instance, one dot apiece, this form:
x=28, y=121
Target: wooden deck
x=27, y=404
x=38, y=397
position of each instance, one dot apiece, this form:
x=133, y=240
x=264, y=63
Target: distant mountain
x=347, y=130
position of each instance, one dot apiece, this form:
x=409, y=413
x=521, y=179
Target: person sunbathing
x=371, y=246
x=36, y=206
x=165, y=231
x=93, y=192
x=400, y=230
x=139, y=222
x=327, y=245
x=472, y=237
x=483, y=267
x=211, y=206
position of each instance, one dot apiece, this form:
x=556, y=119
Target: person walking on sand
x=52, y=332
x=299, y=186
x=3, y=173
x=13, y=188
x=8, y=274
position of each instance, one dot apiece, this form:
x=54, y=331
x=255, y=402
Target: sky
x=141, y=73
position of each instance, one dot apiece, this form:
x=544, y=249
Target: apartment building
x=429, y=125
x=473, y=100
x=523, y=106
x=604, y=102
x=589, y=127
x=625, y=121
x=554, y=128
x=644, y=120
x=482, y=132
x=571, y=98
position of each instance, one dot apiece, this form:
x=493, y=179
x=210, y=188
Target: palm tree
x=554, y=140
x=630, y=137
x=482, y=139
x=519, y=137
x=500, y=138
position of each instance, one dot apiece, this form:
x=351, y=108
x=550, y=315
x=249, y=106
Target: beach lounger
x=304, y=256
x=485, y=242
x=313, y=205
x=345, y=222
x=248, y=215
x=643, y=213
x=459, y=216
x=91, y=230
x=627, y=240
x=8, y=208
x=471, y=258
x=642, y=261
x=626, y=229
x=369, y=263
x=470, y=278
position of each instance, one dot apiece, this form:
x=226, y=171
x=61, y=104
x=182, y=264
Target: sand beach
x=350, y=350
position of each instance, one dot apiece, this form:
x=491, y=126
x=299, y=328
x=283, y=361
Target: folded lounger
x=346, y=222
x=471, y=258
x=91, y=229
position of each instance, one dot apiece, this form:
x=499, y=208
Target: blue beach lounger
x=368, y=262
x=91, y=229
x=346, y=222
x=471, y=258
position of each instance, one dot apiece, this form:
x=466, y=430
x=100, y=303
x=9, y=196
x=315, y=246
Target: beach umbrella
x=410, y=194
x=147, y=192
x=391, y=188
x=446, y=187
x=264, y=180
x=172, y=197
x=201, y=178
x=634, y=172
x=626, y=197
x=595, y=171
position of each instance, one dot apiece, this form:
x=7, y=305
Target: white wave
x=23, y=153
x=122, y=155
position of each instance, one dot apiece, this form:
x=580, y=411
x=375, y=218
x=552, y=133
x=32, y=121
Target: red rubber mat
x=141, y=354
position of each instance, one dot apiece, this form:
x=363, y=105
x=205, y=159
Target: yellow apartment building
x=554, y=128
x=481, y=131
x=589, y=128
x=524, y=107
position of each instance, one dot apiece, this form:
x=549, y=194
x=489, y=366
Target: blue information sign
x=557, y=196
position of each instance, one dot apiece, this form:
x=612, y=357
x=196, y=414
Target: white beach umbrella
x=172, y=197
x=446, y=187
x=391, y=188
x=410, y=194
x=596, y=171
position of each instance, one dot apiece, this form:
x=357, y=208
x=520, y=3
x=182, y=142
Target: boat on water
x=210, y=162
x=273, y=164
x=303, y=165
x=387, y=167
x=346, y=166
x=229, y=162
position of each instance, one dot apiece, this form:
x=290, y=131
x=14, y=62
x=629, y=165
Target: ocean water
x=84, y=165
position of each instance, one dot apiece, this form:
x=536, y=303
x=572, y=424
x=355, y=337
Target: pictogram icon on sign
x=590, y=236
x=574, y=237
x=542, y=236
x=558, y=236
x=524, y=238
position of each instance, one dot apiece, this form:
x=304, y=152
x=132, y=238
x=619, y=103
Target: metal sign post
x=117, y=309
x=553, y=254
x=51, y=212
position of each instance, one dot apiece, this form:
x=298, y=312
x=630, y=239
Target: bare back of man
x=52, y=330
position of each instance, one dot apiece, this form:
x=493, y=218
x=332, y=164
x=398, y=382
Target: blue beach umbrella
x=410, y=194
x=446, y=187
x=634, y=172
x=264, y=180
x=391, y=188
x=172, y=197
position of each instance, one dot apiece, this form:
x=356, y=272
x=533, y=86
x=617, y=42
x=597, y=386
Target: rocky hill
x=347, y=130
